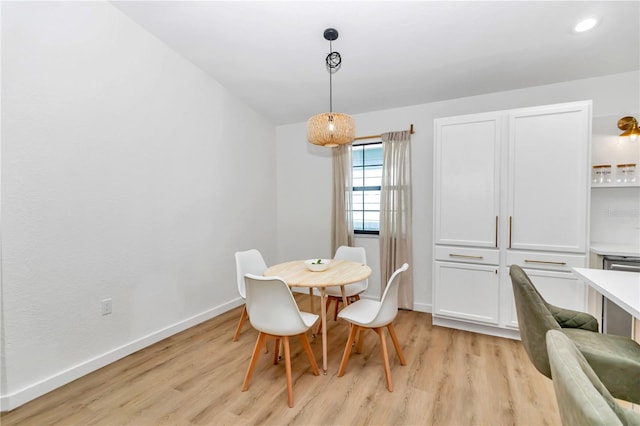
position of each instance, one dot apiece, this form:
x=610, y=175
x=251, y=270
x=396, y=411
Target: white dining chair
x=352, y=291
x=371, y=314
x=247, y=262
x=274, y=312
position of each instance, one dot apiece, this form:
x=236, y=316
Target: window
x=367, y=176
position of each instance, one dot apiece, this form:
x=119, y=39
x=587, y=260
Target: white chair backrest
x=248, y=262
x=271, y=306
x=389, y=303
x=354, y=254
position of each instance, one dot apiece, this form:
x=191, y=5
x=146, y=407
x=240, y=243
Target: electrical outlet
x=106, y=306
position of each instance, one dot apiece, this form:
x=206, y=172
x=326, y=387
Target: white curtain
x=341, y=219
x=396, y=245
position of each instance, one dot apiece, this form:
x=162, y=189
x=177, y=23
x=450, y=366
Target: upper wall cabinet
x=547, y=180
x=467, y=180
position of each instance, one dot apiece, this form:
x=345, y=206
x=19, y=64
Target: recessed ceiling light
x=585, y=25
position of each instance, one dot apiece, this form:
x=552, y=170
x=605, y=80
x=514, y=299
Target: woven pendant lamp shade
x=321, y=132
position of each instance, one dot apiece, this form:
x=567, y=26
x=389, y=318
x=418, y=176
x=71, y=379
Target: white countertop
x=622, y=288
x=609, y=249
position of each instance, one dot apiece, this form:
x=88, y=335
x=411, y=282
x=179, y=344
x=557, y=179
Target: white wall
x=127, y=173
x=304, y=171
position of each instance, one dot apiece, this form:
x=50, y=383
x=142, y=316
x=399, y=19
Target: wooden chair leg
x=243, y=317
x=360, y=339
x=276, y=350
x=396, y=344
x=335, y=311
x=347, y=349
x=312, y=359
x=385, y=357
x=254, y=360
x=287, y=363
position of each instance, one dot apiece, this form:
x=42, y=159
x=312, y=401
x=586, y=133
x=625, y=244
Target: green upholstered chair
x=615, y=359
x=582, y=398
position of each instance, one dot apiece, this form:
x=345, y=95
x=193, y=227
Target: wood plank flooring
x=451, y=378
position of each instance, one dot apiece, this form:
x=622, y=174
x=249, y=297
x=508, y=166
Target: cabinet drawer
x=548, y=261
x=468, y=255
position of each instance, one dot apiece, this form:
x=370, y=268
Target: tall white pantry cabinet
x=510, y=187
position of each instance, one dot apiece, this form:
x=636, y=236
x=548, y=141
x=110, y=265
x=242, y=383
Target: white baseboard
x=14, y=400
x=476, y=328
x=423, y=307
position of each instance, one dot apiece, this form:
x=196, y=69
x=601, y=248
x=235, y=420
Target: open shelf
x=616, y=185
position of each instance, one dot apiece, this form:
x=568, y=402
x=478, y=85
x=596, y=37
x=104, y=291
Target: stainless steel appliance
x=616, y=320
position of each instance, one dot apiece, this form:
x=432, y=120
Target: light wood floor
x=451, y=378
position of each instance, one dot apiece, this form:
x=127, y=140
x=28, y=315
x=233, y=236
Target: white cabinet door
x=466, y=180
x=548, y=177
x=509, y=313
x=465, y=291
x=561, y=289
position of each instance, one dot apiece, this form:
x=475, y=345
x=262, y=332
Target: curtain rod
x=377, y=136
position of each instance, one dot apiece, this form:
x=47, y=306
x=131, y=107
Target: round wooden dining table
x=339, y=273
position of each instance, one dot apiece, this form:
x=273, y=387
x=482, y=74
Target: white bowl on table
x=317, y=265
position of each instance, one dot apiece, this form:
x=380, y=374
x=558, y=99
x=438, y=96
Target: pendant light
x=331, y=129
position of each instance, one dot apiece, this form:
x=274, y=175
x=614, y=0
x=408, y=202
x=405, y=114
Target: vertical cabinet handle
x=510, y=229
x=496, y=231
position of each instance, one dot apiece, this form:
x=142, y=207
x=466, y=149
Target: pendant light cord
x=330, y=82
x=333, y=65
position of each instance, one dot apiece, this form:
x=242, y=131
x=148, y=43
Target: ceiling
x=394, y=53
